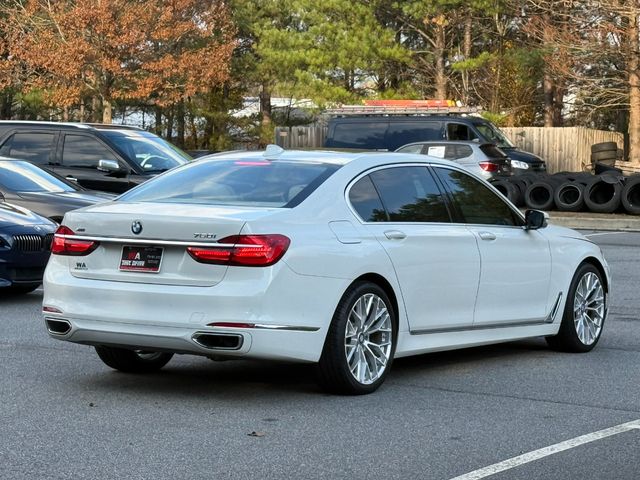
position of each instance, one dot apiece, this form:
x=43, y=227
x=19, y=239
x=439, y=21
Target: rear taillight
x=243, y=250
x=489, y=166
x=64, y=243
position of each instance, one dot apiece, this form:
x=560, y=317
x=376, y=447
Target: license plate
x=141, y=259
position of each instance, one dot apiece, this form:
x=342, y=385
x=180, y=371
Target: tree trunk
x=265, y=104
x=467, y=52
x=169, y=117
x=95, y=109
x=107, y=111
x=158, y=125
x=549, y=98
x=180, y=124
x=7, y=105
x=634, y=87
x=439, y=52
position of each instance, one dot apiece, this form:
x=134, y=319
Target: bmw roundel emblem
x=136, y=227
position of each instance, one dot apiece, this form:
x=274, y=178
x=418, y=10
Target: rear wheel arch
x=386, y=286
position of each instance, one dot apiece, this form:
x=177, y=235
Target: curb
x=591, y=221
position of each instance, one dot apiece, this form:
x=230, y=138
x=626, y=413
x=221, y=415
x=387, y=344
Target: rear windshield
x=492, y=151
x=253, y=182
x=25, y=177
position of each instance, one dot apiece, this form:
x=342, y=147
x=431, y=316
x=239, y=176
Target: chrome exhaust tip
x=57, y=326
x=218, y=341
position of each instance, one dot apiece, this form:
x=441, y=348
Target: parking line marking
x=550, y=450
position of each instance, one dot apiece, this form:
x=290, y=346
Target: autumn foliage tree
x=109, y=50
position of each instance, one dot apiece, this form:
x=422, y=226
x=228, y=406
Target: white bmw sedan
x=344, y=260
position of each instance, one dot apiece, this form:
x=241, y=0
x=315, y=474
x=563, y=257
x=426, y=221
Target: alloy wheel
x=589, y=308
x=368, y=338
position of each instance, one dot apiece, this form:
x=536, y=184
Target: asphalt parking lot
x=496, y=412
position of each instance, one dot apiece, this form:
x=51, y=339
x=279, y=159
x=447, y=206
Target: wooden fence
x=563, y=148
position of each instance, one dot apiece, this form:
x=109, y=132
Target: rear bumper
x=290, y=313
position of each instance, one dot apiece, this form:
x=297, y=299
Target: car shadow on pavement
x=186, y=376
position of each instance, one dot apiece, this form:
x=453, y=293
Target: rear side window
x=34, y=147
x=449, y=151
x=417, y=148
x=243, y=182
x=359, y=135
x=365, y=200
x=81, y=151
x=459, y=131
x=477, y=204
x=401, y=133
x=410, y=194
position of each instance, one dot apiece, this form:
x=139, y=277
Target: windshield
x=493, y=135
x=25, y=177
x=150, y=152
x=243, y=182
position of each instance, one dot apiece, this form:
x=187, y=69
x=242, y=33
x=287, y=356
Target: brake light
x=64, y=243
x=243, y=251
x=489, y=166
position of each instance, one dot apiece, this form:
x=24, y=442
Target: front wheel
x=132, y=361
x=584, y=312
x=358, y=351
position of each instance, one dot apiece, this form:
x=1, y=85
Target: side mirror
x=108, y=166
x=535, y=219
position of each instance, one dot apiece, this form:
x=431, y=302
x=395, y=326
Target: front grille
x=32, y=243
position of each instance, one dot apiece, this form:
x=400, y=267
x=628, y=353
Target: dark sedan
x=31, y=187
x=25, y=245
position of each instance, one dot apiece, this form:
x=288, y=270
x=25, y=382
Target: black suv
x=391, y=132
x=112, y=158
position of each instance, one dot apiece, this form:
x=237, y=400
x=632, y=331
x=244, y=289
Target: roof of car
x=80, y=125
x=323, y=156
x=449, y=142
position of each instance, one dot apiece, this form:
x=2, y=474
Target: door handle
x=73, y=179
x=486, y=235
x=395, y=235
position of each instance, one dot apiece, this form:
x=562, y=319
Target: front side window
x=81, y=151
x=34, y=147
x=252, y=182
x=477, y=204
x=151, y=153
x=410, y=194
x=493, y=135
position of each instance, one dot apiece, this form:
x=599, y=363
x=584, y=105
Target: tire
x=607, y=155
x=509, y=191
x=630, y=196
x=335, y=369
x=132, y=361
x=539, y=195
x=569, y=197
x=599, y=168
x=581, y=327
x=604, y=147
x=603, y=194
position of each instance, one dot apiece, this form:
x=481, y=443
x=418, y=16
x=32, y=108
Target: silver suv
x=483, y=159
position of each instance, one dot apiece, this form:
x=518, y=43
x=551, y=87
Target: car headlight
x=3, y=242
x=519, y=164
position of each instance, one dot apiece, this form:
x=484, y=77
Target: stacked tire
x=574, y=192
x=605, y=153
